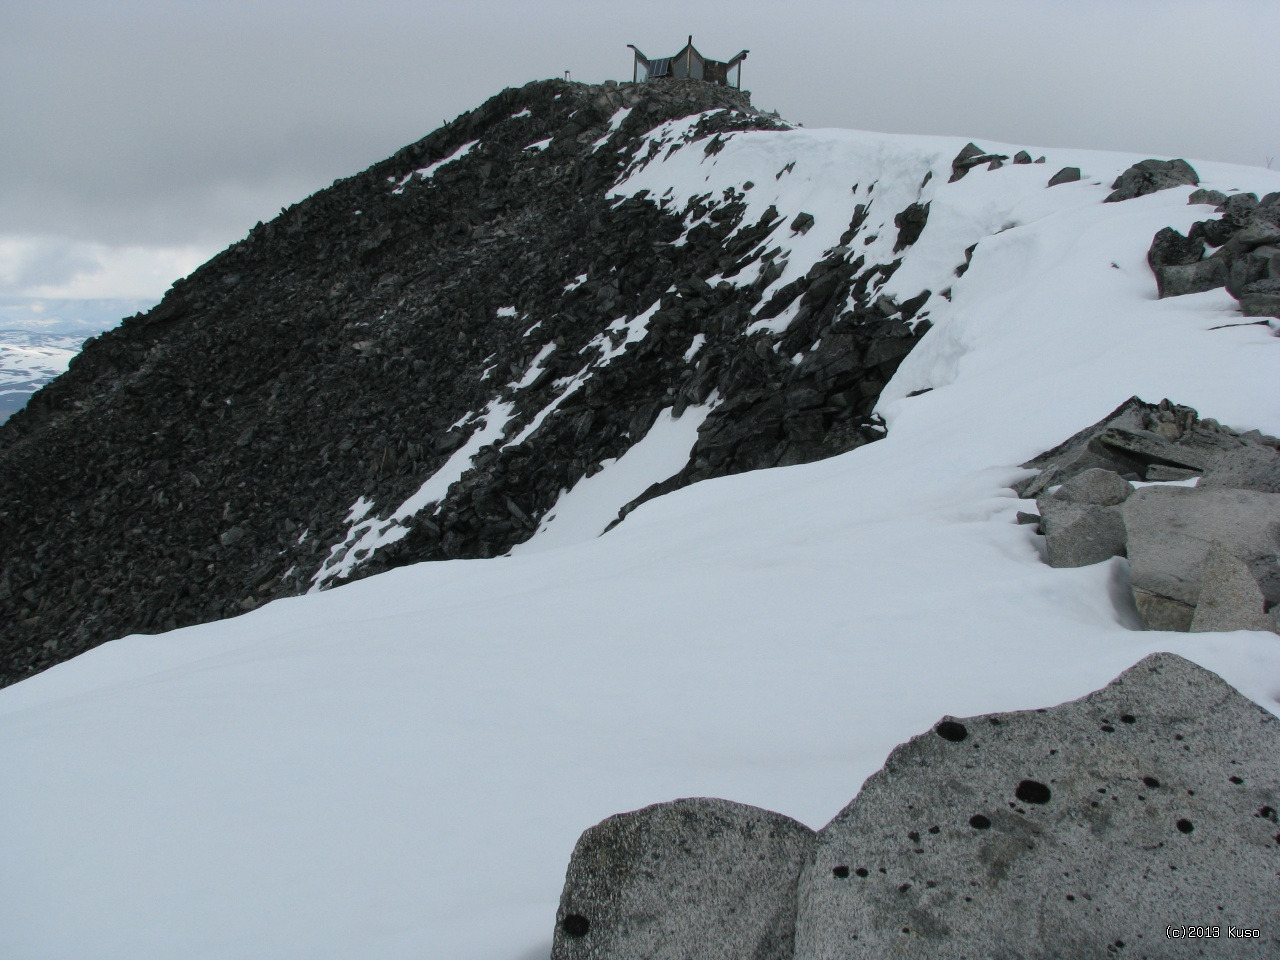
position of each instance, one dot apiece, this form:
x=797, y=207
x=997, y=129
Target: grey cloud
x=47, y=262
x=143, y=121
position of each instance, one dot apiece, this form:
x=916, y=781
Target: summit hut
x=689, y=63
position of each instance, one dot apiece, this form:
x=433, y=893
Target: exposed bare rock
x=1233, y=514
x=1106, y=824
x=1077, y=831
x=692, y=878
x=1148, y=176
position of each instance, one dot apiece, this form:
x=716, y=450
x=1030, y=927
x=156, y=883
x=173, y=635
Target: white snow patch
x=429, y=171
x=582, y=513
x=620, y=333
x=615, y=122
x=699, y=341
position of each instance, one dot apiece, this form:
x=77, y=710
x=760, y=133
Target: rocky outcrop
x=1107, y=824
x=971, y=155
x=1200, y=558
x=478, y=295
x=1148, y=176
x=1245, y=257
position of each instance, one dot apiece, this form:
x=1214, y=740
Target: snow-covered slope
x=400, y=767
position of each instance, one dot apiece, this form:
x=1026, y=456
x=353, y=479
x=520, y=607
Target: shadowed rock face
x=1076, y=831
x=209, y=456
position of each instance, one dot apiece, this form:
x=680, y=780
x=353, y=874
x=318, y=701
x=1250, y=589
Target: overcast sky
x=142, y=136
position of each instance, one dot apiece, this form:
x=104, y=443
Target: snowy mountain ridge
x=404, y=763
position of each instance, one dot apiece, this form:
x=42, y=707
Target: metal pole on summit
x=688, y=58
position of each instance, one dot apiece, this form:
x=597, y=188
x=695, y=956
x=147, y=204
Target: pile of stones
x=1238, y=250
x=1094, y=828
x=1202, y=557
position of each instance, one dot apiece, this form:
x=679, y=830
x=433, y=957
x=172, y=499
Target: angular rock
x=1022, y=157
x=1248, y=269
x=1104, y=488
x=1153, y=448
x=1213, y=198
x=1215, y=232
x=1171, y=247
x=1163, y=613
x=1261, y=299
x=1062, y=832
x=910, y=223
x=1255, y=467
x=1239, y=208
x=1176, y=280
x=1255, y=233
x=698, y=878
x=1080, y=534
x=802, y=223
x=1148, y=176
x=1170, y=530
x=1065, y=175
x=1083, y=451
x=1160, y=472
x=971, y=155
x=1229, y=596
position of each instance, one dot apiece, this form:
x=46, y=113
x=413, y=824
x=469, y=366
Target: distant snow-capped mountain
x=39, y=336
x=30, y=360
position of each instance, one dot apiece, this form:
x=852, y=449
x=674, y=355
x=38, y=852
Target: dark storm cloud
x=152, y=122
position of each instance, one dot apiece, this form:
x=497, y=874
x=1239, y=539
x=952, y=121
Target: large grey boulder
x=1080, y=534
x=1261, y=299
x=1180, y=279
x=1171, y=247
x=1080, y=521
x=1148, y=176
x=1085, y=830
x=1230, y=598
x=1065, y=175
x=1255, y=467
x=699, y=878
x=1213, y=198
x=1169, y=532
x=1105, y=488
x=1258, y=264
